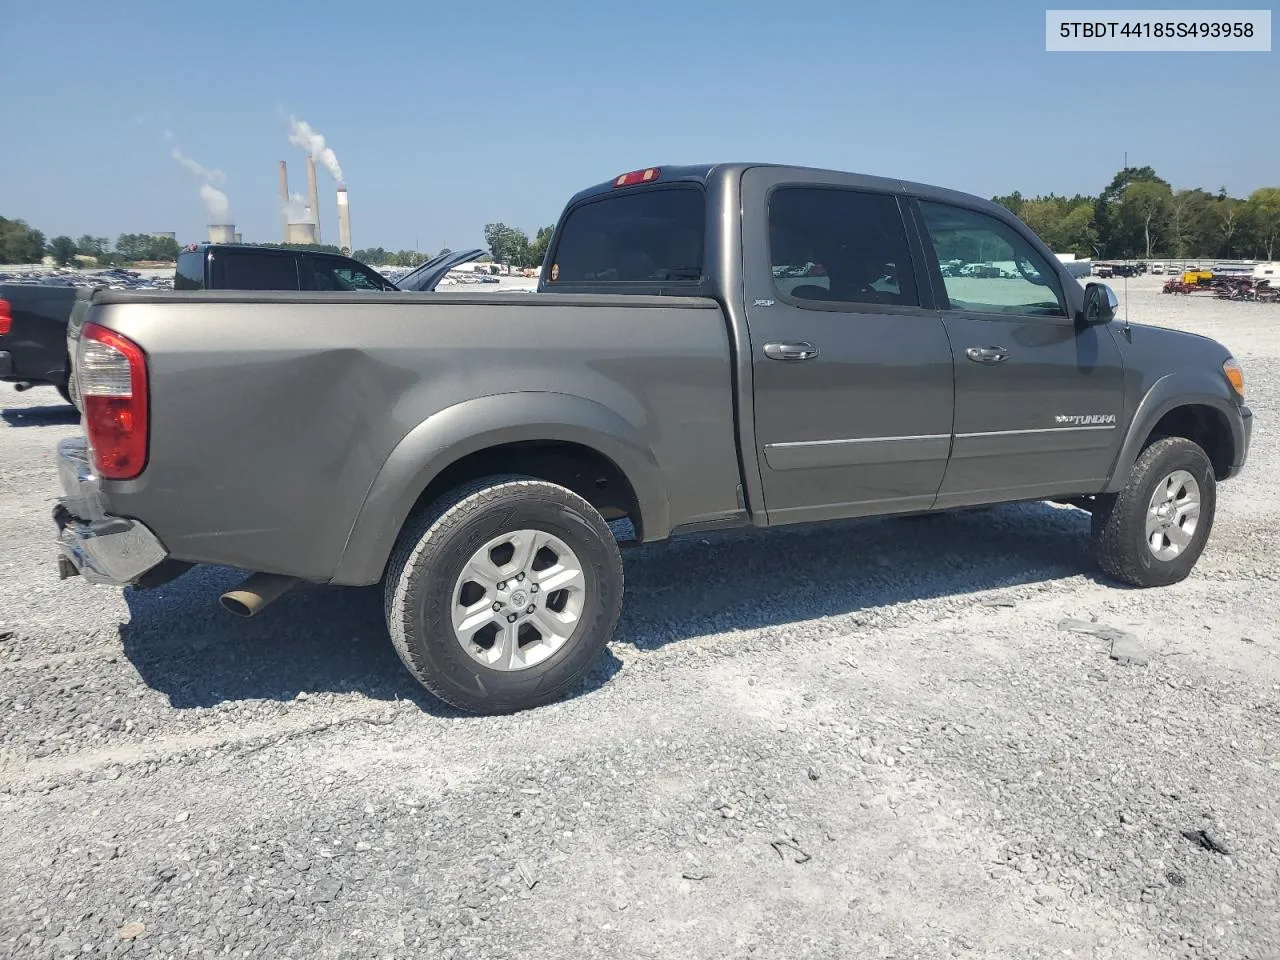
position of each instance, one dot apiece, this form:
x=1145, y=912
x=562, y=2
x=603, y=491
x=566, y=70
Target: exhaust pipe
x=23, y=386
x=253, y=595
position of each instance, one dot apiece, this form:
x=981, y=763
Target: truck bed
x=274, y=414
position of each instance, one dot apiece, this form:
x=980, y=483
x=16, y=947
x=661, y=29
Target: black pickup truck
x=33, y=335
x=34, y=317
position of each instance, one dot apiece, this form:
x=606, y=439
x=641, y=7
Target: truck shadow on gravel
x=313, y=640
x=63, y=415
x=318, y=640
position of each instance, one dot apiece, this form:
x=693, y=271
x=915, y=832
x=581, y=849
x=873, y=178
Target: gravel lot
x=882, y=739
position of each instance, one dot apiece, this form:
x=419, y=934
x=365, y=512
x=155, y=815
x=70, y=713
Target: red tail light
x=111, y=375
x=6, y=317
x=637, y=176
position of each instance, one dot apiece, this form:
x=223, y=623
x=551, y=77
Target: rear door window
x=651, y=235
x=251, y=270
x=840, y=246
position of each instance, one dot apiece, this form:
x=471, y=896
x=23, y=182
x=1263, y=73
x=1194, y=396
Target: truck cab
x=226, y=266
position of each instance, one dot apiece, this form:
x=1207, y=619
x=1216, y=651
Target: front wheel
x=502, y=593
x=1153, y=531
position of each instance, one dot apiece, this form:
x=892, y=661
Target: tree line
x=21, y=243
x=1139, y=215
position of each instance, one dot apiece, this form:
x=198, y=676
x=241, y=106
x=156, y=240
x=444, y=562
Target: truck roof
x=257, y=248
x=708, y=174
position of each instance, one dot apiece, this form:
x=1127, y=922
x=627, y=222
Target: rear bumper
x=91, y=543
x=6, y=364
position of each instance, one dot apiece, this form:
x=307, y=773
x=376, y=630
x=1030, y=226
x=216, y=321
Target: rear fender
x=474, y=425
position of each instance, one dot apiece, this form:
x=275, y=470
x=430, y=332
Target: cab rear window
x=650, y=235
x=189, y=273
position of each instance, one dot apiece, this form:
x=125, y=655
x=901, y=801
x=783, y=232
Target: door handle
x=790, y=350
x=986, y=354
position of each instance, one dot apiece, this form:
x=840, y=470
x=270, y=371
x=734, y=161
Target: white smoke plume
x=196, y=170
x=301, y=134
x=297, y=210
x=215, y=201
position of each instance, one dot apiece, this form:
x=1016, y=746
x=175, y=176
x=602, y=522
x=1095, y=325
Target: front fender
x=1185, y=388
x=474, y=425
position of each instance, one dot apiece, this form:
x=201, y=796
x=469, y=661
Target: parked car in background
x=1157, y=268
x=676, y=370
x=427, y=276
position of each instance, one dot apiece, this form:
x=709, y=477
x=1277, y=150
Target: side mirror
x=1100, y=305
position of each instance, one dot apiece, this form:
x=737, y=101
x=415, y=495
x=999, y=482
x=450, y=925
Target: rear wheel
x=1153, y=531
x=502, y=593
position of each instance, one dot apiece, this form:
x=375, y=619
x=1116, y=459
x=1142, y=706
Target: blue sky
x=446, y=119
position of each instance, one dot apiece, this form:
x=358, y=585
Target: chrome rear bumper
x=99, y=547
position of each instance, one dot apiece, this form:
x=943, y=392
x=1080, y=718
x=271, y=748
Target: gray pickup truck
x=709, y=347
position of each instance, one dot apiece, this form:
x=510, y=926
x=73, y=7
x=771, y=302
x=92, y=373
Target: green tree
x=538, y=248
x=408, y=258
x=372, y=256
x=131, y=246
x=444, y=251
x=1264, y=218
x=1013, y=202
x=507, y=244
x=1227, y=215
x=19, y=243
x=1120, y=230
x=1188, y=219
x=164, y=248
x=63, y=249
x=1143, y=211
x=92, y=246
x=1078, y=233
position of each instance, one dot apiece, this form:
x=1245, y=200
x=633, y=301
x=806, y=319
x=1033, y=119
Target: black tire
x=430, y=555
x=1119, y=520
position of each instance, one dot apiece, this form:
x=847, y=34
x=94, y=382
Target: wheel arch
x=545, y=435
x=1193, y=405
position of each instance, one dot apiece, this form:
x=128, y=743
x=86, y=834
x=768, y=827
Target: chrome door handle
x=987, y=354
x=790, y=350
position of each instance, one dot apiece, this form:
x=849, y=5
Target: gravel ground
x=881, y=739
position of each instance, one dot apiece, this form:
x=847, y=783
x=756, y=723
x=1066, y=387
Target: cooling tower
x=301, y=233
x=344, y=221
x=222, y=233
x=313, y=195
x=284, y=198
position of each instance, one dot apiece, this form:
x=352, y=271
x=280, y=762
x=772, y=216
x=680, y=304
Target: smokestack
x=315, y=197
x=284, y=198
x=222, y=233
x=344, y=221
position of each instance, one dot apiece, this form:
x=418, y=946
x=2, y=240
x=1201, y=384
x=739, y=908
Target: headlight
x=1235, y=376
